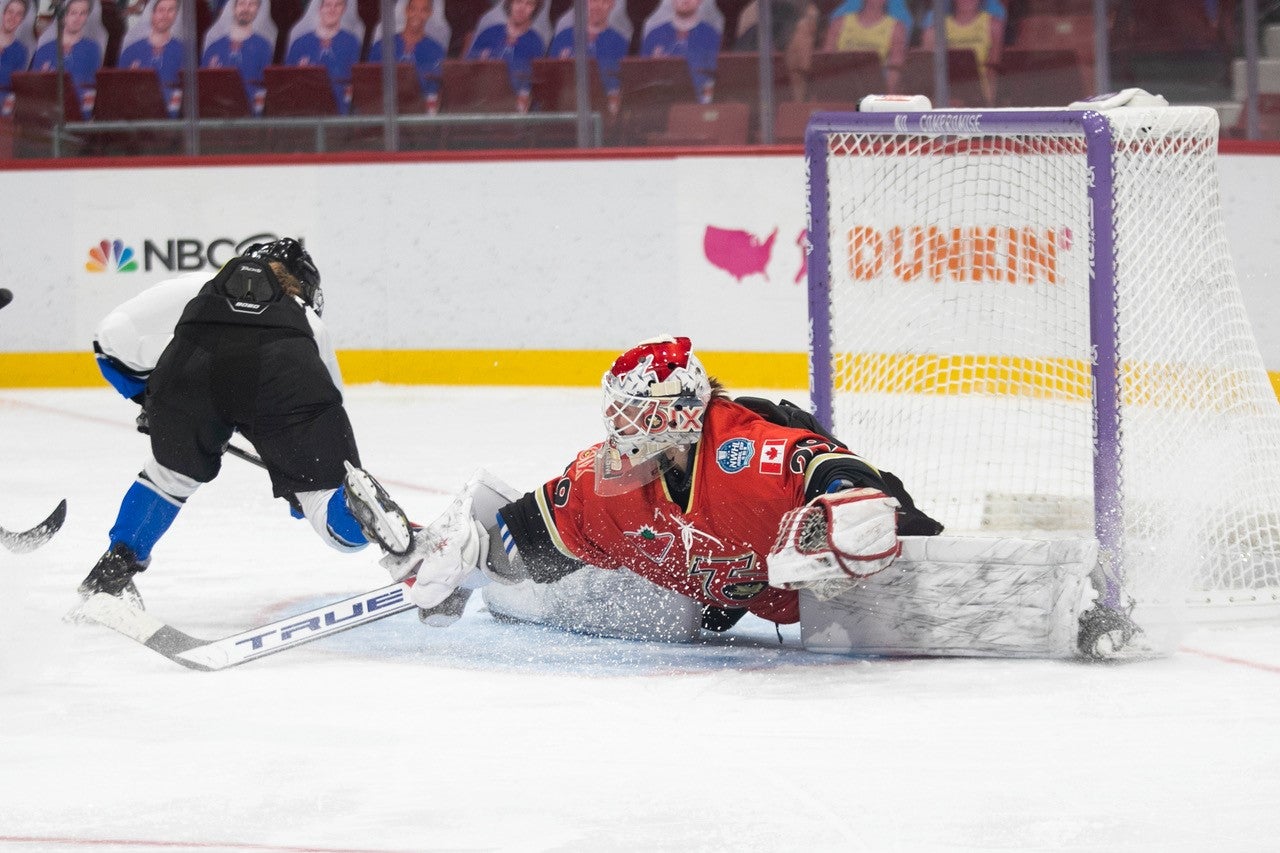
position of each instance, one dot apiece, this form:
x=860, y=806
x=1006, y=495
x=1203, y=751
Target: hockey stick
x=29, y=540
x=240, y=453
x=278, y=636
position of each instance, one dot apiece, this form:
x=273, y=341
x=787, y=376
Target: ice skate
x=380, y=518
x=113, y=575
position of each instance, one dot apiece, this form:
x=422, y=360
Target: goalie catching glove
x=444, y=553
x=847, y=534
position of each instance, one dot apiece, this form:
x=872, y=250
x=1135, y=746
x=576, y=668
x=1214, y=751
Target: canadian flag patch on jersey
x=771, y=456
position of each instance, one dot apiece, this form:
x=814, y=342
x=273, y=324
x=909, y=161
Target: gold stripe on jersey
x=825, y=457
x=549, y=521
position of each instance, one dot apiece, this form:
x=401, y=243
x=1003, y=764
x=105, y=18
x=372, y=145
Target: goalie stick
x=29, y=540
x=278, y=636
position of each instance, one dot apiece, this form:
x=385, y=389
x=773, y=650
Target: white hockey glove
x=444, y=553
x=849, y=534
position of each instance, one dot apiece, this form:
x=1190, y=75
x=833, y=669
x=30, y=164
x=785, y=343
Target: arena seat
x=705, y=124
x=648, y=86
x=555, y=88
x=296, y=91
x=844, y=75
x=366, y=85
x=1039, y=78
x=131, y=94
x=35, y=112
x=221, y=95
x=1056, y=32
x=791, y=118
x=738, y=77
x=964, y=86
x=476, y=86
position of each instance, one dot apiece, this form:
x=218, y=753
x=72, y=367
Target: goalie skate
x=1110, y=635
x=380, y=518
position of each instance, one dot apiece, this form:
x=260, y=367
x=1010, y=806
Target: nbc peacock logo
x=111, y=256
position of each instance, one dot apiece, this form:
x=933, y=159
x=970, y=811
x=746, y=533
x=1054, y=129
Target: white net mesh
x=960, y=346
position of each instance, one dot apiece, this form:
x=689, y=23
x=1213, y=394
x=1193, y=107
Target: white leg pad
x=488, y=495
x=958, y=596
x=600, y=602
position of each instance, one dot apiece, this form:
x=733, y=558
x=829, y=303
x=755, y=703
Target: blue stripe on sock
x=145, y=514
x=342, y=524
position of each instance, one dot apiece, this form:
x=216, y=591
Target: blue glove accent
x=342, y=524
x=296, y=512
x=144, y=517
x=128, y=384
x=839, y=485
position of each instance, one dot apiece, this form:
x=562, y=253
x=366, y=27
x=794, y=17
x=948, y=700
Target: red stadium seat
x=474, y=86
x=649, y=85
x=35, y=112
x=130, y=94
x=963, y=83
x=296, y=91
x=555, y=88
x=844, y=75
x=738, y=77
x=366, y=84
x=792, y=117
x=222, y=94
x=1057, y=32
x=705, y=124
x=1039, y=78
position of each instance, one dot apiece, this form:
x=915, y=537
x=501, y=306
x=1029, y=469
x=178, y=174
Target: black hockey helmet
x=297, y=261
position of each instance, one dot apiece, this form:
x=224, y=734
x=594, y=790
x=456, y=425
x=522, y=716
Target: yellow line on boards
x=1049, y=378
x=445, y=367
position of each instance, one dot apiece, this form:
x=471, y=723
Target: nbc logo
x=113, y=256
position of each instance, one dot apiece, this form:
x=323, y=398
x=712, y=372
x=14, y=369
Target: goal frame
x=1094, y=129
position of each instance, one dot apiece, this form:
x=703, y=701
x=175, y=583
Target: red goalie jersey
x=746, y=474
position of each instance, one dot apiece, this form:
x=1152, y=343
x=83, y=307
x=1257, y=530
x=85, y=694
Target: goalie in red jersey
x=690, y=490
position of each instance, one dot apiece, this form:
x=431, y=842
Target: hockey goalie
x=698, y=509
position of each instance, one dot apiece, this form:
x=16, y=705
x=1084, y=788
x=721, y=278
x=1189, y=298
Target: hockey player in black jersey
x=248, y=353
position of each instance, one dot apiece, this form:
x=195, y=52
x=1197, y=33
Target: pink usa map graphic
x=741, y=253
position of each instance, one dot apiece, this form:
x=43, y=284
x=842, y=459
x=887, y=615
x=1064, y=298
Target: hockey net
x=963, y=339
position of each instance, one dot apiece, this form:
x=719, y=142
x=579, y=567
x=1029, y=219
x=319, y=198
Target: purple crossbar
x=1108, y=517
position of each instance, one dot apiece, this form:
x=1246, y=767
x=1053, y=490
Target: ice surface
x=491, y=736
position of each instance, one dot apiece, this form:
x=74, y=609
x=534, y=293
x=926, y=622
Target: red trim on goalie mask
x=667, y=356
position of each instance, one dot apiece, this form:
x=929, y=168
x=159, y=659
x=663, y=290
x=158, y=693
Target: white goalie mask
x=655, y=397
